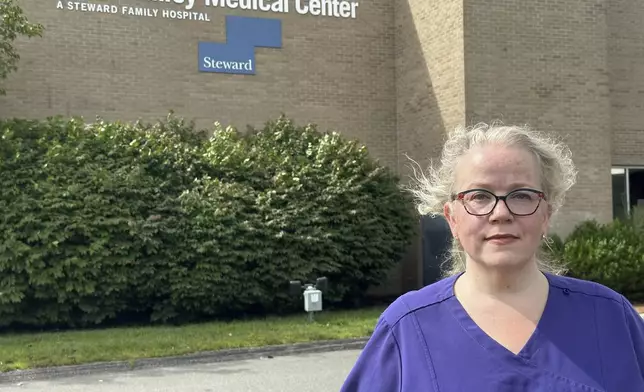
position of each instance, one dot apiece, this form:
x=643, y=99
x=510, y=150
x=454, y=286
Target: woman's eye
x=522, y=196
x=480, y=196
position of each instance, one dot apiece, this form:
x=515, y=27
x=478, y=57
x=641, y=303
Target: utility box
x=312, y=300
x=312, y=294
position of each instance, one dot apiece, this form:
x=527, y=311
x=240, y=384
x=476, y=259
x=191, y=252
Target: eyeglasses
x=520, y=202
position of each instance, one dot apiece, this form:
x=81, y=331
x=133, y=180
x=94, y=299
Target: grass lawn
x=32, y=350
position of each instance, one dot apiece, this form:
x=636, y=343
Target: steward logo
x=243, y=35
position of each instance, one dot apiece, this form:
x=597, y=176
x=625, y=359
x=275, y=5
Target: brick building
x=394, y=73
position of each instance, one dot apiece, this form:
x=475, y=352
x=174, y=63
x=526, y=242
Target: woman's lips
x=501, y=239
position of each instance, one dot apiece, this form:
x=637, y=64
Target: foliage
x=107, y=219
x=80, y=238
x=13, y=23
x=610, y=254
x=313, y=203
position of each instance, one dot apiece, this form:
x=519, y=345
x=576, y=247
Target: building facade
x=395, y=74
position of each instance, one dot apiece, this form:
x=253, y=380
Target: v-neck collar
x=487, y=342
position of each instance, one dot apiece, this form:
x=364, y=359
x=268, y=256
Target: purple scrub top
x=589, y=339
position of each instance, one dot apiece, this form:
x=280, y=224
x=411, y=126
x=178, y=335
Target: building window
x=628, y=190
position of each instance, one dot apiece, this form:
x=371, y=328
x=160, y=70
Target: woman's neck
x=501, y=282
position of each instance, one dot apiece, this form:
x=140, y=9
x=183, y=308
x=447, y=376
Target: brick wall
x=429, y=88
x=626, y=65
x=545, y=64
x=429, y=76
x=129, y=67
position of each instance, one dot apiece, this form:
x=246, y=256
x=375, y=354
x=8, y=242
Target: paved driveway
x=322, y=372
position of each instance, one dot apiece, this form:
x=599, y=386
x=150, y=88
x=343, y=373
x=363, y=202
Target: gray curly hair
x=558, y=175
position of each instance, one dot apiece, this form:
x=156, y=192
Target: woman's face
x=497, y=238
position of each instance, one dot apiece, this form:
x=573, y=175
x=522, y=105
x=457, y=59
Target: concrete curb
x=190, y=359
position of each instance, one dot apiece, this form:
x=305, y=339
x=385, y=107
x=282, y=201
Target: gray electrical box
x=312, y=300
x=312, y=294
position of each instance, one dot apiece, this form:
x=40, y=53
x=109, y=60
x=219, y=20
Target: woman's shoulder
x=586, y=290
x=618, y=326
x=606, y=304
x=395, y=348
x=429, y=297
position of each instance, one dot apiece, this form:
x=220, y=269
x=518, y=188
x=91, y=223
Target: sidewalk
x=284, y=373
x=640, y=309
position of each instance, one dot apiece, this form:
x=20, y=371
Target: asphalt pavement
x=320, y=372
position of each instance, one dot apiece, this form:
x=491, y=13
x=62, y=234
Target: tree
x=13, y=23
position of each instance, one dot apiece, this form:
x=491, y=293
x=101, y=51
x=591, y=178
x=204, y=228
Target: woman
x=503, y=320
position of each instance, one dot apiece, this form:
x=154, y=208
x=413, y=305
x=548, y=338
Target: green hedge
x=611, y=254
x=108, y=218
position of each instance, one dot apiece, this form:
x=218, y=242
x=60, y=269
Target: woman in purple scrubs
x=503, y=320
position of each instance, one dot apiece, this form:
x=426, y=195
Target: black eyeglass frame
x=461, y=195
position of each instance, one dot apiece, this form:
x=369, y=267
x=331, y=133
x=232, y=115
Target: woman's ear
x=546, y=219
x=451, y=219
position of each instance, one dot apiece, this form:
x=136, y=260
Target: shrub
x=76, y=204
x=290, y=203
x=610, y=254
x=111, y=218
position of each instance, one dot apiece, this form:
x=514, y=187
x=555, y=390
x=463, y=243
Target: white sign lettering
x=331, y=8
x=133, y=11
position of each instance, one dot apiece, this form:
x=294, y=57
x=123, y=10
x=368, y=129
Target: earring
x=547, y=240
